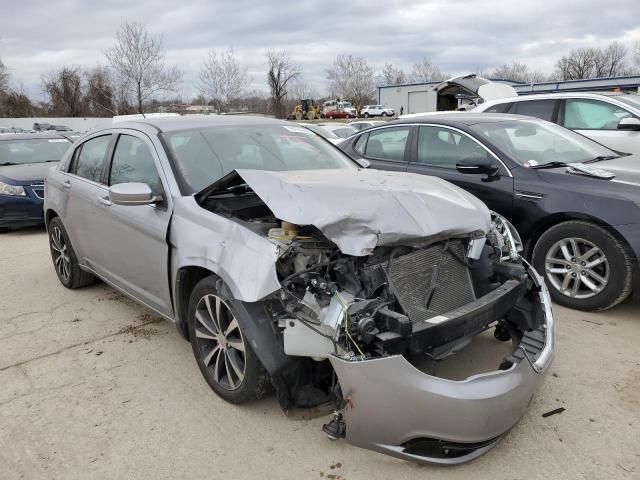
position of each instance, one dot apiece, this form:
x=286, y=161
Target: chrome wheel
x=220, y=342
x=61, y=260
x=577, y=268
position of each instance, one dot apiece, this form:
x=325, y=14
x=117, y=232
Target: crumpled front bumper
x=393, y=408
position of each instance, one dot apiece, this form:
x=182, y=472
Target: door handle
x=105, y=201
x=66, y=184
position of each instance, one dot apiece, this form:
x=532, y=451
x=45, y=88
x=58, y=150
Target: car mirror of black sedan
x=477, y=165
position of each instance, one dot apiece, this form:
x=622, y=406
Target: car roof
x=170, y=124
x=30, y=136
x=462, y=118
x=530, y=96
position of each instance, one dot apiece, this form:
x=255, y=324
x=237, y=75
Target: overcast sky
x=459, y=36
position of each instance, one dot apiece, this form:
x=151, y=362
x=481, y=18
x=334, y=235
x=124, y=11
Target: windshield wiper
x=549, y=165
x=599, y=158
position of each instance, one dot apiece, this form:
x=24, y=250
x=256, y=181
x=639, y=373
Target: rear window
x=34, y=150
x=542, y=109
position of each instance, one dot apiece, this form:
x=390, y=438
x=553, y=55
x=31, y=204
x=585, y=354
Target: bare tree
x=222, y=78
x=517, y=71
x=610, y=62
x=64, y=88
x=593, y=63
x=426, y=71
x=138, y=57
x=391, y=76
x=281, y=72
x=99, y=93
x=351, y=78
x=4, y=77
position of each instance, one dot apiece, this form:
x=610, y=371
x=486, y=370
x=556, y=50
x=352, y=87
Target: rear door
x=82, y=185
x=387, y=148
x=134, y=252
x=599, y=120
x=437, y=150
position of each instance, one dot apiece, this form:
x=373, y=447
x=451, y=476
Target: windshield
x=32, y=150
x=202, y=156
x=532, y=143
x=629, y=99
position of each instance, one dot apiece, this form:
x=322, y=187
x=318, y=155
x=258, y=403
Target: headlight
x=14, y=190
x=507, y=236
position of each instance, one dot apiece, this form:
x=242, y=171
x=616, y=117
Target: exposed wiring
x=345, y=316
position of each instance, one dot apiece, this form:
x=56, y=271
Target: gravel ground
x=93, y=386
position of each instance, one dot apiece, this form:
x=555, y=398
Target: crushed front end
x=385, y=320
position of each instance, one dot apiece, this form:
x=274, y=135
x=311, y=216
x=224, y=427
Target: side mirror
x=132, y=193
x=629, y=123
x=477, y=165
x=363, y=162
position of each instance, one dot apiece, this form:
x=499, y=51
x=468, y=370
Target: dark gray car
x=287, y=264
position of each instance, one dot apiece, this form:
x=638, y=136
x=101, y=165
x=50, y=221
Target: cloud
x=459, y=36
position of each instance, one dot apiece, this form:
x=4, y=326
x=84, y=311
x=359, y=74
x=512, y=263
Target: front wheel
x=384, y=114
x=584, y=265
x=366, y=115
x=222, y=352
x=64, y=258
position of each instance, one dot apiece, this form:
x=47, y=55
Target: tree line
x=136, y=73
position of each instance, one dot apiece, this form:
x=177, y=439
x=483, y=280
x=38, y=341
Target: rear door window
x=499, y=108
x=535, y=108
x=387, y=144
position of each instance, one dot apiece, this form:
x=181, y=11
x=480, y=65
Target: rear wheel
x=330, y=117
x=384, y=114
x=64, y=258
x=584, y=265
x=224, y=356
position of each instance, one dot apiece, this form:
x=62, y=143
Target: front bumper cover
x=392, y=407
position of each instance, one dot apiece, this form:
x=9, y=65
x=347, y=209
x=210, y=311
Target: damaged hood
x=361, y=209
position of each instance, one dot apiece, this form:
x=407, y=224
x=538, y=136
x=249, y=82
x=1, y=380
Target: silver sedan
x=290, y=267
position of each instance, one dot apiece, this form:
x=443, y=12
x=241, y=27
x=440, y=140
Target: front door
x=439, y=148
x=599, y=120
x=134, y=254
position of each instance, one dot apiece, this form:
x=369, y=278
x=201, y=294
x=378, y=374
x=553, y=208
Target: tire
x=233, y=371
x=65, y=262
x=366, y=115
x=298, y=115
x=4, y=230
x=330, y=117
x=602, y=262
x=384, y=114
x=347, y=116
x=311, y=115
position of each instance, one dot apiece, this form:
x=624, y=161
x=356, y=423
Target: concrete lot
x=93, y=386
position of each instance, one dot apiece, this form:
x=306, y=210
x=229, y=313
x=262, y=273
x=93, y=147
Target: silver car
x=610, y=118
x=289, y=266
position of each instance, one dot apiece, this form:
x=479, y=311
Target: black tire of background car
x=78, y=278
x=256, y=380
x=621, y=271
x=366, y=115
x=384, y=114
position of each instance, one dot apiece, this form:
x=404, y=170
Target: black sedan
x=24, y=161
x=575, y=203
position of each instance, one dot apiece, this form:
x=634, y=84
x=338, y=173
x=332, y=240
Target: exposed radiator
x=411, y=279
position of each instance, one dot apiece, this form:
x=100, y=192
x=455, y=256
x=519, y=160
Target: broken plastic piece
x=553, y=412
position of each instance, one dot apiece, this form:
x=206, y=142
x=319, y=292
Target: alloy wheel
x=220, y=342
x=577, y=268
x=61, y=260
